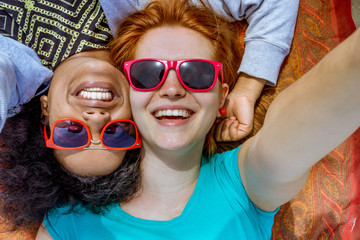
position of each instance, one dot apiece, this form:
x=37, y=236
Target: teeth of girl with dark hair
x=96, y=93
x=172, y=114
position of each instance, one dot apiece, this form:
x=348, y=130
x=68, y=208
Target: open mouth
x=172, y=114
x=96, y=93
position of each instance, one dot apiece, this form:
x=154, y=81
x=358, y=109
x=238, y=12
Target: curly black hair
x=32, y=181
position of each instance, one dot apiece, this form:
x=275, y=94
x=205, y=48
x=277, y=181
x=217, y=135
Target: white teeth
x=172, y=113
x=96, y=93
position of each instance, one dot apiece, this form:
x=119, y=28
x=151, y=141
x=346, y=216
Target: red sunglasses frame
x=173, y=65
x=50, y=141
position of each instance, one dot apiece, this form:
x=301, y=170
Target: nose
x=96, y=119
x=172, y=87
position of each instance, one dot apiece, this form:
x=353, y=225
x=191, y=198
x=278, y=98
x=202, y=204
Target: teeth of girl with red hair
x=172, y=113
x=96, y=93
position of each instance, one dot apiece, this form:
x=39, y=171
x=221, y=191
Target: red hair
x=223, y=35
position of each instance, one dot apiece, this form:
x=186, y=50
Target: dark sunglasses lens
x=146, y=74
x=119, y=135
x=70, y=134
x=197, y=74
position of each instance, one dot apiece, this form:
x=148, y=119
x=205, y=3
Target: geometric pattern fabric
x=55, y=29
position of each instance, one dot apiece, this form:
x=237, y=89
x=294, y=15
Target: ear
x=224, y=91
x=44, y=108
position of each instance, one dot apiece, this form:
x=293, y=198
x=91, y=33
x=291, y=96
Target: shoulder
x=60, y=222
x=224, y=156
x=224, y=168
x=43, y=234
x=80, y=222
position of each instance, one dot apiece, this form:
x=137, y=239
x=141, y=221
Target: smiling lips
x=172, y=114
x=96, y=93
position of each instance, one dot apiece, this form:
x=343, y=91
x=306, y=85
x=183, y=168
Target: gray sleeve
x=268, y=37
x=30, y=74
x=269, y=34
x=7, y=85
x=117, y=10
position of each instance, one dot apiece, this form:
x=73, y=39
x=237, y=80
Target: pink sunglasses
x=197, y=75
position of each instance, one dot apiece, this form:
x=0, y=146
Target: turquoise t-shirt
x=219, y=208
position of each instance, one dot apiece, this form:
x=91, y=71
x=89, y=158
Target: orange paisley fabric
x=328, y=205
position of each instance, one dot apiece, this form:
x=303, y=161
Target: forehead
x=174, y=43
x=95, y=55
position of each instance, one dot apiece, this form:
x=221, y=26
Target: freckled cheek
x=139, y=100
x=137, y=108
x=208, y=100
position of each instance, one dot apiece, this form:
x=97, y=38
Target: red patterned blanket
x=328, y=206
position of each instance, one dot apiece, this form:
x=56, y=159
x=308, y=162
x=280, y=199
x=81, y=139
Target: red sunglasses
x=197, y=75
x=72, y=134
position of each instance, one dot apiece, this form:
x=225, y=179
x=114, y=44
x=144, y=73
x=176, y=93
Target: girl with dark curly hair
x=34, y=178
x=85, y=89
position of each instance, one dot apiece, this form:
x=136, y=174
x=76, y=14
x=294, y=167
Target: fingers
x=237, y=125
x=238, y=121
x=231, y=129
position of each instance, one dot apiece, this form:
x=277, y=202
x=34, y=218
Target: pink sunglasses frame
x=50, y=141
x=173, y=65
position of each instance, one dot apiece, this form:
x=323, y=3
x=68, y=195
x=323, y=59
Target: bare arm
x=43, y=234
x=303, y=124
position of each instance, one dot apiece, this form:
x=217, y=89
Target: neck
x=168, y=181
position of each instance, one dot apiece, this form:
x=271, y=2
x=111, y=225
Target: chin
x=94, y=164
x=176, y=144
x=92, y=171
